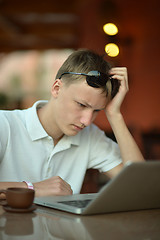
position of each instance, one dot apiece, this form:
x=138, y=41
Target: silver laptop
x=136, y=187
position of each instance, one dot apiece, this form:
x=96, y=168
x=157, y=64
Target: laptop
x=136, y=187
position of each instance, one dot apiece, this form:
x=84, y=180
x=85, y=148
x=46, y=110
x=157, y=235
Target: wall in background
x=139, y=41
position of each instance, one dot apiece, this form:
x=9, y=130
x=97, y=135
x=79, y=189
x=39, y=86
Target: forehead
x=81, y=91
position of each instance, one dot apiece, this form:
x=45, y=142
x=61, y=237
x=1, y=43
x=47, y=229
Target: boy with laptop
x=50, y=146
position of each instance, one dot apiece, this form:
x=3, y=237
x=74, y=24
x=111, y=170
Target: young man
x=51, y=145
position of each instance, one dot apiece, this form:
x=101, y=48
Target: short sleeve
x=104, y=152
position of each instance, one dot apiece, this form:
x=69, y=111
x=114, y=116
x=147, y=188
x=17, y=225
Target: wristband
x=29, y=185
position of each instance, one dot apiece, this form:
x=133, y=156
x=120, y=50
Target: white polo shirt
x=28, y=153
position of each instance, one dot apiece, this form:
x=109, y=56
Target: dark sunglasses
x=94, y=79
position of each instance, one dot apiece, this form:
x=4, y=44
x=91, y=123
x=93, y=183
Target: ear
x=57, y=85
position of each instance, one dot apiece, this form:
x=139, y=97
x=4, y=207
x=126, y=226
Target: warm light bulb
x=112, y=49
x=110, y=29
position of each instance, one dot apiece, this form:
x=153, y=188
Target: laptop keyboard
x=77, y=203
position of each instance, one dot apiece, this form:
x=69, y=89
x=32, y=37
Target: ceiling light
x=112, y=49
x=110, y=29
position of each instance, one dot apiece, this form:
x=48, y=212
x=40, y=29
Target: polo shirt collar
x=34, y=127
x=72, y=140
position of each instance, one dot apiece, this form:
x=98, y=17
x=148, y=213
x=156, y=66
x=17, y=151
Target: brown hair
x=83, y=61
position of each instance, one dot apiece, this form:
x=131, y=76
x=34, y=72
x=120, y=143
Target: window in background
x=26, y=76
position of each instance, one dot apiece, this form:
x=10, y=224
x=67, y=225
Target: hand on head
x=120, y=74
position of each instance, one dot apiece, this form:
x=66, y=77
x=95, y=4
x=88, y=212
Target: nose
x=87, y=117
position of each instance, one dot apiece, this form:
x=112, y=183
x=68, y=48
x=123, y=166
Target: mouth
x=77, y=127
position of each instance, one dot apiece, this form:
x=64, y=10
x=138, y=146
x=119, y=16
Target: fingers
x=61, y=186
x=120, y=73
x=54, y=186
x=118, y=70
x=113, y=108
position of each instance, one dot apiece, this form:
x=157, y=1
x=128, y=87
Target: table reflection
x=50, y=224
x=13, y=225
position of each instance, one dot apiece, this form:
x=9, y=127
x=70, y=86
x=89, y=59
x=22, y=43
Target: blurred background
x=37, y=36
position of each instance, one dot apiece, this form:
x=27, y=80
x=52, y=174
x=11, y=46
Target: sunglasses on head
x=94, y=79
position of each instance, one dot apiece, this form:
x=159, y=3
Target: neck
x=48, y=123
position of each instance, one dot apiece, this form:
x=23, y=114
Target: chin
x=70, y=132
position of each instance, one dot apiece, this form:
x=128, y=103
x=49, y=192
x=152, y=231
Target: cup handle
x=3, y=202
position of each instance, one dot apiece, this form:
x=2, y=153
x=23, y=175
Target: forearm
x=128, y=147
x=54, y=186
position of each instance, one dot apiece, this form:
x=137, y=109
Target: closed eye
x=97, y=110
x=84, y=106
x=81, y=105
